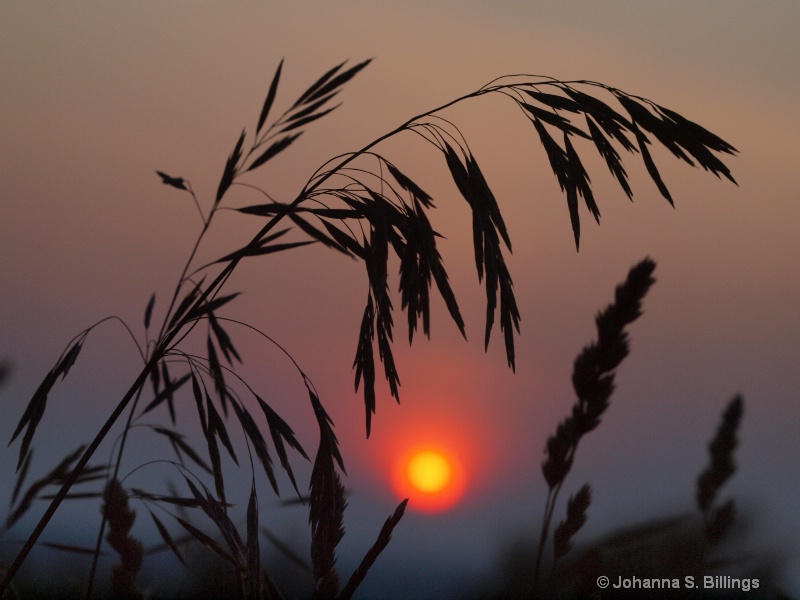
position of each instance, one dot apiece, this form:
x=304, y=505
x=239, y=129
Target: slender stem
x=549, y=509
x=182, y=278
x=548, y=512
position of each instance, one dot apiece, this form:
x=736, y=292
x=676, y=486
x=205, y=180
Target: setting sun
x=432, y=478
x=429, y=471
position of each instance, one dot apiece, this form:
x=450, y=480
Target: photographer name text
x=708, y=582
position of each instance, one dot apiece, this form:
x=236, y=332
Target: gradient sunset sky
x=95, y=96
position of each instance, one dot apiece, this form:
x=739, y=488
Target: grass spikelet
x=120, y=519
x=326, y=507
x=720, y=469
x=577, y=506
x=593, y=372
x=593, y=381
x=371, y=556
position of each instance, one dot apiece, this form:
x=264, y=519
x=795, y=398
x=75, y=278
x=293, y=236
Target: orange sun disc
x=429, y=471
x=431, y=479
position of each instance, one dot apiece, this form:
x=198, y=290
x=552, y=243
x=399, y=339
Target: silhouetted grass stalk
x=593, y=381
x=392, y=218
x=120, y=519
x=718, y=519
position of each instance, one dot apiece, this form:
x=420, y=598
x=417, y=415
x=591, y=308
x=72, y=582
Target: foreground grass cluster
x=366, y=207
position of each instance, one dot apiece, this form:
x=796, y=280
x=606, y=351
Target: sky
x=97, y=96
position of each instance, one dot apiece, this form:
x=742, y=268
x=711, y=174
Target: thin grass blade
x=224, y=340
x=252, y=549
x=176, y=182
x=308, y=119
x=210, y=307
x=273, y=89
x=179, y=444
x=207, y=541
x=274, y=149
x=166, y=393
x=337, y=81
x=229, y=172
x=652, y=169
x=165, y=535
x=384, y=537
x=317, y=84
x=148, y=312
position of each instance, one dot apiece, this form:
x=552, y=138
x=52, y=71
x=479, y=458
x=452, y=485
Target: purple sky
x=96, y=96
